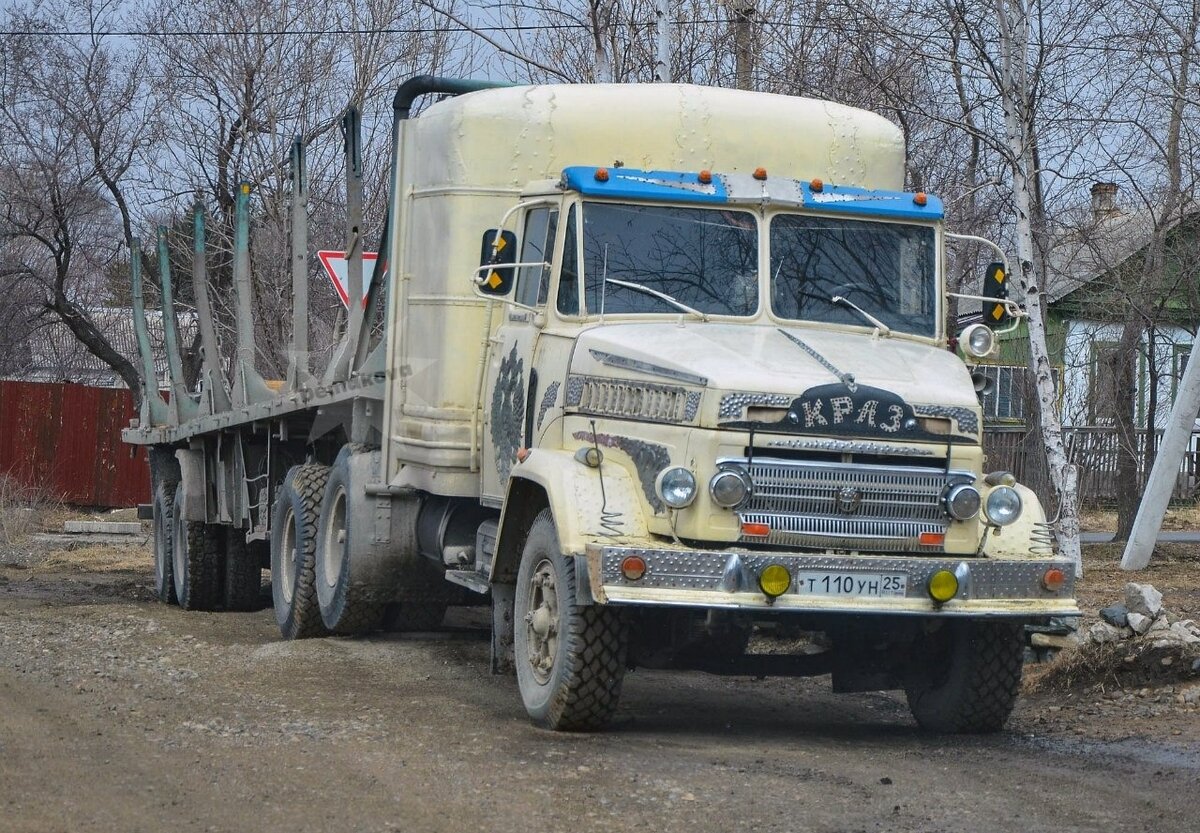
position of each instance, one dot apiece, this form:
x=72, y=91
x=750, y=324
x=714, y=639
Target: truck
x=647, y=369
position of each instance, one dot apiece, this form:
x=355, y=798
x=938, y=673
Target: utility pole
x=743, y=41
x=662, y=28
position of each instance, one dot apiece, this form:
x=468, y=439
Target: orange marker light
x=522, y=455
x=633, y=567
x=931, y=539
x=704, y=177
x=760, y=173
x=601, y=175
x=919, y=198
x=817, y=186
x=1054, y=579
x=756, y=530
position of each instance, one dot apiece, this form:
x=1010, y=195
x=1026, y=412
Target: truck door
x=512, y=377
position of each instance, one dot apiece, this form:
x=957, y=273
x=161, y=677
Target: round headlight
x=1003, y=505
x=962, y=502
x=729, y=487
x=977, y=341
x=676, y=487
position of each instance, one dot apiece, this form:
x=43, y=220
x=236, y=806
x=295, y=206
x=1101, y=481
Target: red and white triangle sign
x=336, y=267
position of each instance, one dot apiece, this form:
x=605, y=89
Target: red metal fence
x=66, y=439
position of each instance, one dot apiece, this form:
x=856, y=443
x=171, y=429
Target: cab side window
x=533, y=282
x=568, y=279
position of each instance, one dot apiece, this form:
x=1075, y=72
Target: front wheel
x=570, y=657
x=966, y=676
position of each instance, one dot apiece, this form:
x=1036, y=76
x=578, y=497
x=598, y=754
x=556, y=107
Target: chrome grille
x=661, y=403
x=892, y=505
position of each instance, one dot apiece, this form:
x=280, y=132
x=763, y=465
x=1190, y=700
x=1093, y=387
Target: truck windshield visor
x=698, y=258
x=887, y=270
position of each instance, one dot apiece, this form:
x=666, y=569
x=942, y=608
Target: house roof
x=1096, y=247
x=52, y=353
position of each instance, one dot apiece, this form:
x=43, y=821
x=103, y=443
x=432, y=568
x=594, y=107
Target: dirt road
x=117, y=713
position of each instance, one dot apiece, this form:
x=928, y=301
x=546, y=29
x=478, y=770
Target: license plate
x=825, y=583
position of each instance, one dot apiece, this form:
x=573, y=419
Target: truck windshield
x=701, y=260
x=885, y=269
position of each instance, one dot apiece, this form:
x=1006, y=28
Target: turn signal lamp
x=943, y=586
x=633, y=567
x=755, y=530
x=931, y=539
x=601, y=175
x=704, y=177
x=760, y=173
x=774, y=580
x=1054, y=579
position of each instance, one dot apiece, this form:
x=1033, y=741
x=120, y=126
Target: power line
x=1088, y=46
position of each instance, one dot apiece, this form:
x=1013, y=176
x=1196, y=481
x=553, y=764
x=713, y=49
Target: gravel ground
x=118, y=713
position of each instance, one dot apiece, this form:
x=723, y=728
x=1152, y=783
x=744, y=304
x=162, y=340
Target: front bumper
x=729, y=579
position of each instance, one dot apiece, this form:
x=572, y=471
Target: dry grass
x=1181, y=516
x=96, y=559
x=25, y=509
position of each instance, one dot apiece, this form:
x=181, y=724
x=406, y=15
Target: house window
x=1006, y=398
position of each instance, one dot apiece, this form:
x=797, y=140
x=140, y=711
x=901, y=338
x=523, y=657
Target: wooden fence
x=65, y=439
x=1093, y=449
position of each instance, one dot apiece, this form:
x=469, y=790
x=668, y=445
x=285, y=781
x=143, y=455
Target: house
x=50, y=352
x=1094, y=276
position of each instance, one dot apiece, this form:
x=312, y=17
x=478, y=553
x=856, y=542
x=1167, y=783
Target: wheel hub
x=541, y=622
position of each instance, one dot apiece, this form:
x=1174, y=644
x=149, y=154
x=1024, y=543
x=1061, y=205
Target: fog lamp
x=774, y=580
x=943, y=586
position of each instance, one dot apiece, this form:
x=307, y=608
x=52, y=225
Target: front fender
x=1020, y=539
x=588, y=504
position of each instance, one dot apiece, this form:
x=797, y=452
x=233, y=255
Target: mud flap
x=503, y=659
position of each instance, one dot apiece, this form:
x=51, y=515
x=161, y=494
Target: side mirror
x=995, y=290
x=499, y=247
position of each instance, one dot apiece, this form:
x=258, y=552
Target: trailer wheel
x=164, y=513
x=966, y=676
x=570, y=657
x=196, y=559
x=243, y=572
x=293, y=544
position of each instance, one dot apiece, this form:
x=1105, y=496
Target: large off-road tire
x=353, y=587
x=293, y=546
x=966, y=676
x=164, y=528
x=197, y=560
x=243, y=572
x=570, y=657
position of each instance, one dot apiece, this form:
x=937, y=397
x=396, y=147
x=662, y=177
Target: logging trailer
x=658, y=364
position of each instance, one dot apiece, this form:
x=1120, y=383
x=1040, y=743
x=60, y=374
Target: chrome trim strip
x=626, y=363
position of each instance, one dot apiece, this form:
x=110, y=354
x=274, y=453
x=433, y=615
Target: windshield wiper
x=662, y=296
x=882, y=328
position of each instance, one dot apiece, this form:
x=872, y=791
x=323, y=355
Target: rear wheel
x=293, y=546
x=196, y=559
x=164, y=524
x=570, y=657
x=243, y=572
x=966, y=676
